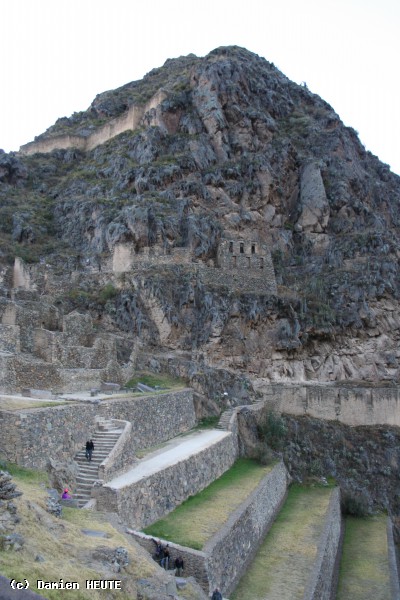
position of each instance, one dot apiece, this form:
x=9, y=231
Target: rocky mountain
x=243, y=233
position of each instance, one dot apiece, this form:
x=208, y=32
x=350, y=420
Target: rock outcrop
x=225, y=150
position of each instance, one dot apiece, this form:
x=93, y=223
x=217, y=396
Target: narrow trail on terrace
x=285, y=559
x=169, y=454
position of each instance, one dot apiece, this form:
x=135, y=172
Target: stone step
x=82, y=480
x=96, y=454
x=225, y=418
x=104, y=442
x=84, y=487
x=88, y=468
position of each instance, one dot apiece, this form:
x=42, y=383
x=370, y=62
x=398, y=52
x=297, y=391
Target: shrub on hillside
x=272, y=430
x=355, y=504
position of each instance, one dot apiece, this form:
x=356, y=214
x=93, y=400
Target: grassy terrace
x=163, y=381
x=284, y=561
x=24, y=403
x=201, y=516
x=364, y=569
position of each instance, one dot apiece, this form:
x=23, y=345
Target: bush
x=272, y=430
x=107, y=293
x=355, y=504
x=264, y=455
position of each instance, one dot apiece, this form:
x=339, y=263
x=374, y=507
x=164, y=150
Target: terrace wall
x=322, y=582
x=228, y=553
x=350, y=405
x=30, y=437
x=147, y=500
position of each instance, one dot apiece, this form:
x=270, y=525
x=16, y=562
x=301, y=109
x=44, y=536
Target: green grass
x=23, y=474
x=364, y=569
x=284, y=561
x=201, y=516
x=155, y=380
x=208, y=422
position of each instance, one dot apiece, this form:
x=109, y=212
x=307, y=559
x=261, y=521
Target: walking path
x=283, y=564
x=170, y=454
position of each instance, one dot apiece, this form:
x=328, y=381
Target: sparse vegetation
x=155, y=380
x=64, y=551
x=272, y=430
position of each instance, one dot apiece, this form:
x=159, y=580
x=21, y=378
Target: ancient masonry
x=64, y=352
x=242, y=265
x=129, y=121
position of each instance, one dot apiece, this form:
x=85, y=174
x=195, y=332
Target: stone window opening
x=231, y=247
x=253, y=248
x=241, y=248
x=261, y=263
x=248, y=262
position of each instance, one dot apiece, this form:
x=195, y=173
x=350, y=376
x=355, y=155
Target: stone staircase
x=225, y=418
x=104, y=441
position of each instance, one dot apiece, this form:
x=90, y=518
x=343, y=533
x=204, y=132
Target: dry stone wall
x=231, y=550
x=129, y=121
x=9, y=338
x=32, y=436
x=227, y=554
x=195, y=561
x=7, y=373
x=322, y=582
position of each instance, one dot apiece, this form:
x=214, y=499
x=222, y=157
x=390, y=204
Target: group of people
x=162, y=555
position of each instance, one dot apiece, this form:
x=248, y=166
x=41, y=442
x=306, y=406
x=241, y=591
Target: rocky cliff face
x=234, y=151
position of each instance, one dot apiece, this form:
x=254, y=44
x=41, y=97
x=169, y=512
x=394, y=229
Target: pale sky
x=56, y=55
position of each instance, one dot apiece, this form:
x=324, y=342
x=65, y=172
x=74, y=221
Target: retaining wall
x=231, y=550
x=147, y=500
x=322, y=582
x=227, y=554
x=349, y=405
x=30, y=437
x=195, y=561
x=128, y=121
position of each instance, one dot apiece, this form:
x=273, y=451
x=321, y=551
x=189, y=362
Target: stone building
x=243, y=254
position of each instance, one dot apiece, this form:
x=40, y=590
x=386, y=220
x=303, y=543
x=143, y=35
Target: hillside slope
x=234, y=152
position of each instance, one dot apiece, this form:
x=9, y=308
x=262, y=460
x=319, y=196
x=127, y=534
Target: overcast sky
x=56, y=55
